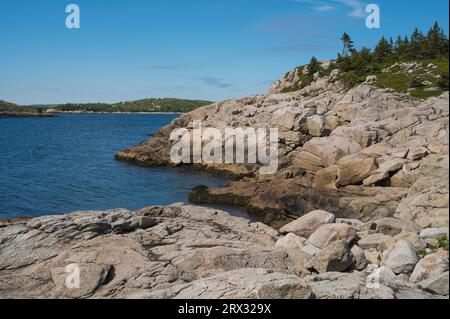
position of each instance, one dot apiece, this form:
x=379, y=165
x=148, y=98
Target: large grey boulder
x=315, y=125
x=330, y=233
x=331, y=149
x=309, y=223
x=391, y=166
x=310, y=250
x=430, y=266
x=335, y=285
x=400, y=257
x=291, y=241
x=293, y=245
x=374, y=241
x=359, y=256
x=438, y=284
x=435, y=233
x=335, y=257
x=382, y=276
x=393, y=226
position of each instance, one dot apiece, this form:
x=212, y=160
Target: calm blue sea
x=66, y=163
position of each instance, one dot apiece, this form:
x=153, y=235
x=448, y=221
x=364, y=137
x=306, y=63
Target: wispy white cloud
x=324, y=8
x=356, y=7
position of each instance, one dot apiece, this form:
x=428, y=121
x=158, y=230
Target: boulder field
x=357, y=209
x=364, y=153
x=183, y=251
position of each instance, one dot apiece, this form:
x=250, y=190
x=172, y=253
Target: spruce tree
x=436, y=43
x=383, y=51
x=347, y=45
x=417, y=45
x=399, y=47
x=313, y=68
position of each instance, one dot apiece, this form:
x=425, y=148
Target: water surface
x=66, y=163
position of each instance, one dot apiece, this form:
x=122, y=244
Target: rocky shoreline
x=358, y=209
x=12, y=114
x=370, y=157
x=362, y=153
x=183, y=251
x=92, y=112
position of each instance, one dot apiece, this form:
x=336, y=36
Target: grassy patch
x=443, y=243
x=424, y=81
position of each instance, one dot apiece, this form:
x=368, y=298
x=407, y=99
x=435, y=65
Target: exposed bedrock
x=183, y=251
x=361, y=153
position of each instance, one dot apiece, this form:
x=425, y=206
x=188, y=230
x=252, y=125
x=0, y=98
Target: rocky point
x=357, y=209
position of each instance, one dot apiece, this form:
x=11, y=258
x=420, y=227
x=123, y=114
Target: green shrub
x=443, y=82
x=443, y=242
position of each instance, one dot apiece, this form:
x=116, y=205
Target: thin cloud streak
x=301, y=47
x=217, y=82
x=356, y=7
x=324, y=8
x=166, y=67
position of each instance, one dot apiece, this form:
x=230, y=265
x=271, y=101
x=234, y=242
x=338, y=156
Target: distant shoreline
x=92, y=112
x=6, y=115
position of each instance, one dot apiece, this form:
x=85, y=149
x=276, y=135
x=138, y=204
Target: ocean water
x=66, y=163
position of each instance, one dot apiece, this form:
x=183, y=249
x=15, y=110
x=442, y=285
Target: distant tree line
x=145, y=105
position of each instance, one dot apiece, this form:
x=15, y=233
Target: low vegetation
x=443, y=243
x=10, y=108
x=417, y=64
x=146, y=105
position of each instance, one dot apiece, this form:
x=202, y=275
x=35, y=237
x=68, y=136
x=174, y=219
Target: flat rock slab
x=176, y=251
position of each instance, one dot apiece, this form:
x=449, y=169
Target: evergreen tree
x=313, y=68
x=416, y=46
x=391, y=45
x=406, y=41
x=436, y=43
x=383, y=51
x=399, y=47
x=362, y=61
x=347, y=45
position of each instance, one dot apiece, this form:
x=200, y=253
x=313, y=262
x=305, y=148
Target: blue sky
x=200, y=49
